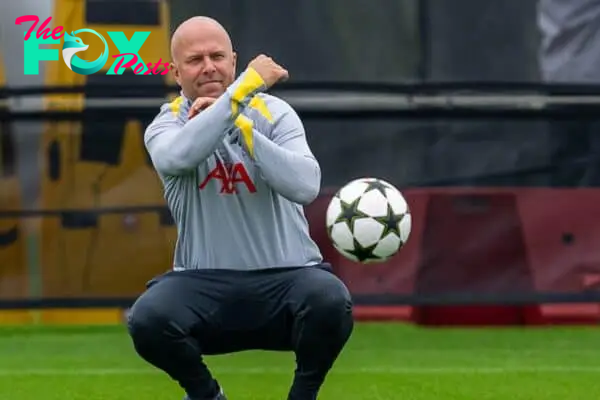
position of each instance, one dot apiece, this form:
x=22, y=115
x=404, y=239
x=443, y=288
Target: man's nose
x=209, y=66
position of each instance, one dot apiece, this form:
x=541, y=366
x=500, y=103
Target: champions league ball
x=368, y=220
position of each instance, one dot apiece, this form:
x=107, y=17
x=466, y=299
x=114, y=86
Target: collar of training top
x=188, y=102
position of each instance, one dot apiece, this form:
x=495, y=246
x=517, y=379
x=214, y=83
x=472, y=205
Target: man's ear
x=175, y=72
x=234, y=62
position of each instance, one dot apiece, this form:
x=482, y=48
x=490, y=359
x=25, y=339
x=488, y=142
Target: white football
x=368, y=220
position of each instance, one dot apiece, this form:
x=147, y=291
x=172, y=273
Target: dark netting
x=501, y=196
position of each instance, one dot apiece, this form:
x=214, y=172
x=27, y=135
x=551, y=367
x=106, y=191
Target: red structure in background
x=484, y=241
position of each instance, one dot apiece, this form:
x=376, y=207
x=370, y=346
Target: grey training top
x=235, y=178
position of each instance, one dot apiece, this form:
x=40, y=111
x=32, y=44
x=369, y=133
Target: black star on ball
x=390, y=222
x=362, y=253
x=350, y=213
x=378, y=185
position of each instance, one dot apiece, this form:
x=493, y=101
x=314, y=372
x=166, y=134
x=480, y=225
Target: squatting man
x=236, y=170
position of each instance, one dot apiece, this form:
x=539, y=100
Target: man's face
x=204, y=64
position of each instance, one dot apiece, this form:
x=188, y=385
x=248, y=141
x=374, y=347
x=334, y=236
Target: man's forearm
x=182, y=148
x=294, y=175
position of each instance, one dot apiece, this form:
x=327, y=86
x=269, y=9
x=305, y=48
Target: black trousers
x=184, y=315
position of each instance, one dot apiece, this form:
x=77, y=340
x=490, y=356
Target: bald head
x=195, y=27
x=203, y=57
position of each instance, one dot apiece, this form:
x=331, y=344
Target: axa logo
x=230, y=177
x=128, y=56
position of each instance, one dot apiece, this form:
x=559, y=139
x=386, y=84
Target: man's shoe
x=220, y=396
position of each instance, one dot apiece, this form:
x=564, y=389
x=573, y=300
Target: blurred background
x=481, y=112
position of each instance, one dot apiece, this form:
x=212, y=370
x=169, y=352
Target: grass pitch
x=382, y=361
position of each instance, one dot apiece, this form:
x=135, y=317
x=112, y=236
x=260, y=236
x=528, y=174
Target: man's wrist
x=247, y=86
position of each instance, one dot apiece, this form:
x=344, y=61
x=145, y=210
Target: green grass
x=382, y=361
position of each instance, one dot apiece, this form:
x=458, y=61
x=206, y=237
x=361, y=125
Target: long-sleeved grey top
x=236, y=177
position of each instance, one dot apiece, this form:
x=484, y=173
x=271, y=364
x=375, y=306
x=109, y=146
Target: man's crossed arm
x=176, y=147
x=286, y=162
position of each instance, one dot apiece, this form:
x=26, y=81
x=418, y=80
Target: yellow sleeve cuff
x=251, y=82
x=246, y=126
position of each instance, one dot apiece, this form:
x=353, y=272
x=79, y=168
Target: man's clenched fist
x=200, y=104
x=269, y=70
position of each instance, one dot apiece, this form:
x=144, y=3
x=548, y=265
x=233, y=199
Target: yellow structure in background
x=13, y=261
x=98, y=164
x=63, y=316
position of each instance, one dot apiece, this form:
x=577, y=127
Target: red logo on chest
x=230, y=175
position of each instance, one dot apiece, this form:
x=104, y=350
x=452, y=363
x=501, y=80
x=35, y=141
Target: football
x=368, y=220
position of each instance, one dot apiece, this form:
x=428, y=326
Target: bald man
x=236, y=170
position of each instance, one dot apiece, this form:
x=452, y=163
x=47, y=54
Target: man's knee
x=147, y=319
x=155, y=317
x=327, y=299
